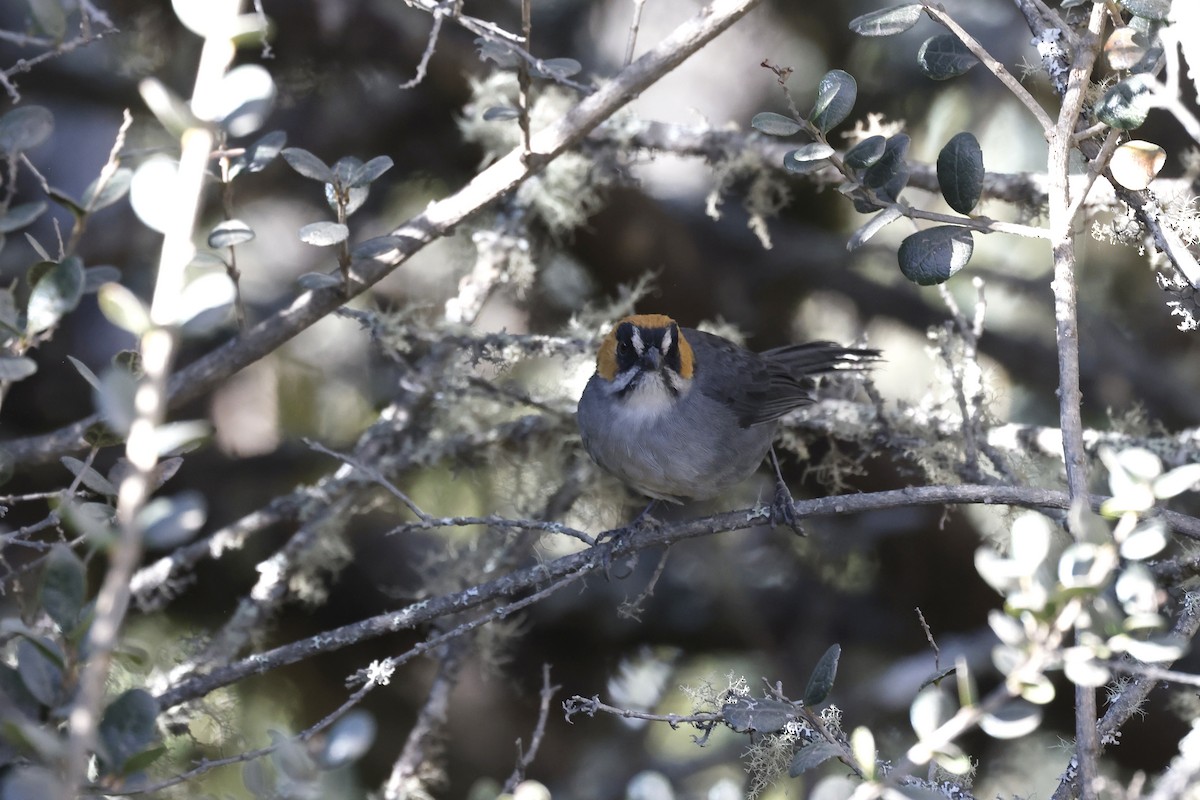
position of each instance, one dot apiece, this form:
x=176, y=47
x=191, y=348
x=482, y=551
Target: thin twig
x=525, y=757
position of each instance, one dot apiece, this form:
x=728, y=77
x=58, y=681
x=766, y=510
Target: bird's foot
x=783, y=510
x=618, y=539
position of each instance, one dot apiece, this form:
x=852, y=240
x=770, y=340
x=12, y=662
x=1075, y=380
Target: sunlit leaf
x=887, y=21
x=836, y=94
x=324, y=234
x=865, y=153
x=307, y=164
x=230, y=233
x=97, y=196
x=773, y=124
x=933, y=255
x=943, y=57
x=56, y=291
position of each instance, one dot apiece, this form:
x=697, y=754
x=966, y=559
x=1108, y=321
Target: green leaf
x=16, y=368
x=836, y=94
x=260, y=154
x=773, y=124
x=127, y=728
x=943, y=57
x=114, y=399
x=89, y=477
x=24, y=128
x=64, y=586
x=762, y=715
x=348, y=740
x=931, y=256
x=820, y=683
x=96, y=197
x=307, y=164
x=1126, y=105
x=960, y=172
x=887, y=21
x=865, y=153
x=1157, y=10
x=123, y=308
x=324, y=234
x=369, y=172
x=57, y=290
x=229, y=233
x=139, y=762
x=21, y=215
x=41, y=675
x=813, y=755
x=556, y=68
x=889, y=165
x=50, y=17
x=15, y=695
x=808, y=158
x=314, y=281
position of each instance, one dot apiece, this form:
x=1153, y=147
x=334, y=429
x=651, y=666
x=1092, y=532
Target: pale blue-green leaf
x=259, y=154
x=95, y=277
x=324, y=234
x=83, y=370
x=836, y=94
x=37, y=247
x=960, y=172
x=1147, y=540
x=114, y=399
x=500, y=114
x=933, y=255
x=177, y=438
x=24, y=128
x=873, y=226
x=123, y=308
x=21, y=215
x=887, y=21
x=291, y=759
x=168, y=108
x=556, y=68
x=89, y=477
x=50, y=16
x=170, y=521
x=930, y=709
x=773, y=124
x=230, y=233
x=369, y=172
x=943, y=57
x=97, y=196
x=1084, y=565
x=378, y=248
x=243, y=100
x=56, y=292
x=16, y=368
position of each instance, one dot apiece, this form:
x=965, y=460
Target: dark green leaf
x=369, y=172
x=139, y=762
x=127, y=728
x=943, y=56
x=820, y=683
x=16, y=368
x=1126, y=105
x=15, y=695
x=889, y=165
x=324, y=234
x=95, y=277
x=500, y=114
x=40, y=674
x=960, y=172
x=763, y=715
x=813, y=755
x=931, y=256
x=809, y=158
x=887, y=21
x=865, y=153
x=170, y=521
x=836, y=94
x=89, y=477
x=96, y=197
x=1157, y=10
x=348, y=740
x=24, y=128
x=307, y=164
x=345, y=169
x=57, y=291
x=773, y=124
x=64, y=584
x=20, y=216
x=229, y=233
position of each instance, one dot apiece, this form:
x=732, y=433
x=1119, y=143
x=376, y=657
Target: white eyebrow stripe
x=638, y=346
x=666, y=341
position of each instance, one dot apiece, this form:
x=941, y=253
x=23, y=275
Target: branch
x=581, y=564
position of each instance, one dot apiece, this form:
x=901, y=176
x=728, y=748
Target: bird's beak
x=651, y=360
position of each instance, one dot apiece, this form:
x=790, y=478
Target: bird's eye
x=624, y=347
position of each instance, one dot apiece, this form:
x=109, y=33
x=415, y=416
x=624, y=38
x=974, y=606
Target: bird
x=679, y=414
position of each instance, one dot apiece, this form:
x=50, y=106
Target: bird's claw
x=783, y=510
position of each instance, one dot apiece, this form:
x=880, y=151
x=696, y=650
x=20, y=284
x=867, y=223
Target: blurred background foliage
x=758, y=603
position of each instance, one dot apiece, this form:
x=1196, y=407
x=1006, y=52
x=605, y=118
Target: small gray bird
x=676, y=413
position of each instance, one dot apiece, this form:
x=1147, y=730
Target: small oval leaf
x=89, y=477
x=63, y=588
x=500, y=114
x=97, y=196
x=123, y=308
x=307, y=164
x=324, y=234
x=887, y=21
x=230, y=233
x=56, y=291
x=891, y=167
x=16, y=368
x=21, y=215
x=314, y=281
x=813, y=755
x=369, y=172
x=127, y=728
x=1126, y=105
x=773, y=124
x=170, y=521
x=820, y=683
x=348, y=740
x=556, y=68
x=1157, y=10
x=24, y=128
x=836, y=94
x=1136, y=163
x=960, y=172
x=931, y=256
x=943, y=57
x=865, y=153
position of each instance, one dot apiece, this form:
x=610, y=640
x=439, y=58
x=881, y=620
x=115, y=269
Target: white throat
x=649, y=399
